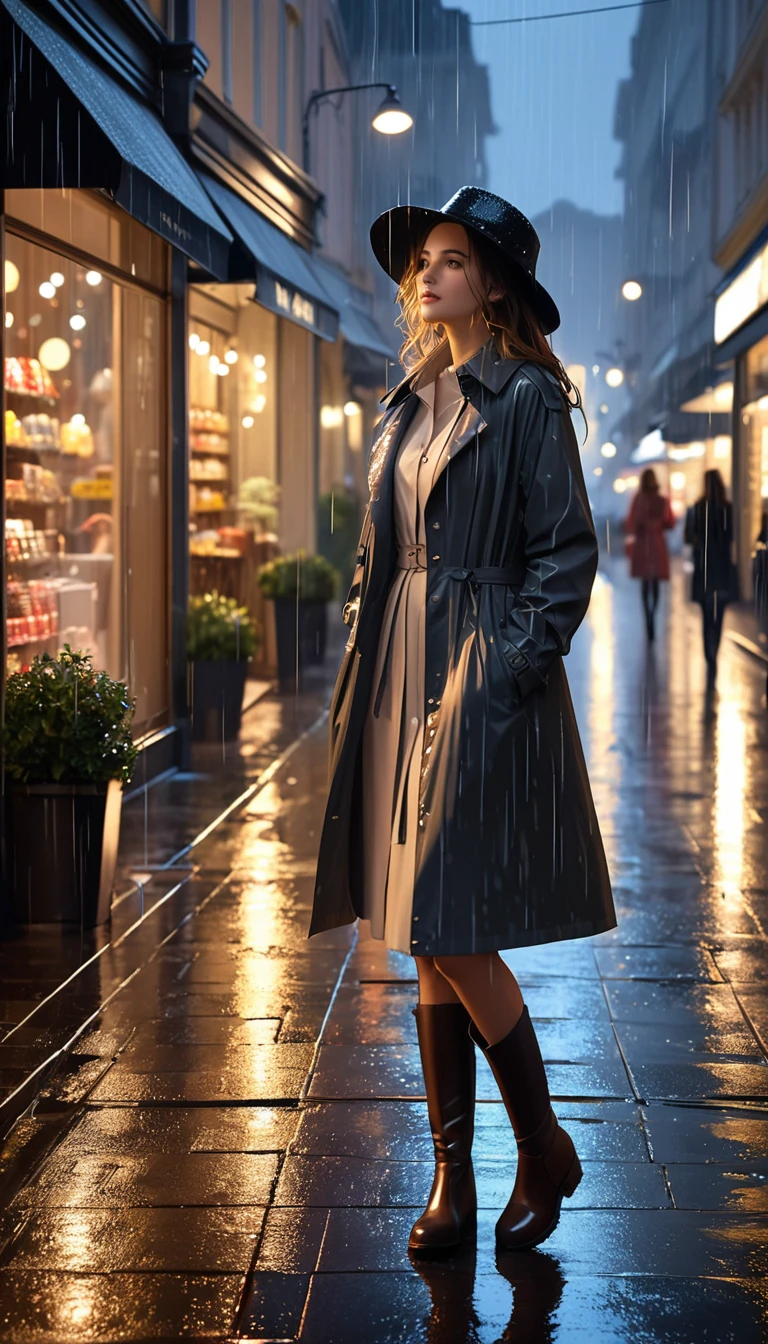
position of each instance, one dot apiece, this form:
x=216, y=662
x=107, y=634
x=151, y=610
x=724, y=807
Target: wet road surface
x=237, y=1143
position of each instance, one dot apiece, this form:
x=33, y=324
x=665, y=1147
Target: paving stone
x=107, y=1242
x=50, y=1308
x=129, y=1131
x=706, y=1134
x=691, y=1082
x=273, y=1305
x=193, y=1179
x=657, y=963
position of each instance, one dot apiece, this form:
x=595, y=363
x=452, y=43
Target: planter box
x=217, y=700
x=63, y=842
x=301, y=637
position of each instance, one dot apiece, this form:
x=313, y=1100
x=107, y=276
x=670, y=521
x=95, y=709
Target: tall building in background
x=581, y=264
x=666, y=113
x=426, y=51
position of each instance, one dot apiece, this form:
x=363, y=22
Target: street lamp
x=390, y=117
x=632, y=290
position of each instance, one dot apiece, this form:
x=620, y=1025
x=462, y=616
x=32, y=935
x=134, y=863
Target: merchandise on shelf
x=15, y=433
x=32, y=611
x=205, y=500
x=27, y=377
x=37, y=486
x=41, y=431
x=201, y=418
x=208, y=469
x=25, y=542
x=77, y=437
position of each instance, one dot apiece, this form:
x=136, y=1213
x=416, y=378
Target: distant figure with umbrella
x=650, y=516
x=709, y=532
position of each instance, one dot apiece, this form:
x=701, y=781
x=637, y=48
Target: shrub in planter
x=257, y=503
x=300, y=586
x=68, y=751
x=220, y=641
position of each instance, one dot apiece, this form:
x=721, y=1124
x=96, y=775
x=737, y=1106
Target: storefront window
x=86, y=502
x=752, y=503
x=233, y=469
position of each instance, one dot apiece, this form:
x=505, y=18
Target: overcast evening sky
x=553, y=91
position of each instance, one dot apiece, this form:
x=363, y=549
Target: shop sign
x=743, y=297
x=295, y=305
x=95, y=489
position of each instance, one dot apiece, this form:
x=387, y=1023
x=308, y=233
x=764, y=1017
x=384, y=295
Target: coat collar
x=486, y=367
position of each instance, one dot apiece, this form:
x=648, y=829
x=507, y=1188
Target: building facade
x=740, y=249
x=678, y=417
x=174, y=345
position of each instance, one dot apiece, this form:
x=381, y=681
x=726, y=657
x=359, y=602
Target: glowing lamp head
x=632, y=290
x=391, y=117
x=614, y=377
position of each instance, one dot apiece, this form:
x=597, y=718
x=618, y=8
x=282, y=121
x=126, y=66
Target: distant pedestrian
x=649, y=518
x=709, y=531
x=460, y=820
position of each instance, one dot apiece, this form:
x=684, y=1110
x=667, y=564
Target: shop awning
x=286, y=281
x=358, y=327
x=70, y=125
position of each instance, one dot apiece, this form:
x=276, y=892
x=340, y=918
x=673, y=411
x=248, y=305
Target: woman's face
x=449, y=279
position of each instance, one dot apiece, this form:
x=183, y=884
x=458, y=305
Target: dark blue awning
x=358, y=326
x=69, y=125
x=286, y=281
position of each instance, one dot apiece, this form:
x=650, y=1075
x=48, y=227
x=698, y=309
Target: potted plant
x=68, y=751
x=221, y=639
x=257, y=503
x=300, y=586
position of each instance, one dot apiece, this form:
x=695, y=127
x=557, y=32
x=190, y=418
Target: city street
x=237, y=1144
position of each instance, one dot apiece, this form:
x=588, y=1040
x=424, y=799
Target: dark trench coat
x=508, y=851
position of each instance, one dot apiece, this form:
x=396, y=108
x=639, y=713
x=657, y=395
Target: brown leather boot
x=448, y=1061
x=547, y=1165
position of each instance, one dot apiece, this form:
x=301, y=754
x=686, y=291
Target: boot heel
x=572, y=1179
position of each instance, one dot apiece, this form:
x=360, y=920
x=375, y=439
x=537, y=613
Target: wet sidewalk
x=237, y=1145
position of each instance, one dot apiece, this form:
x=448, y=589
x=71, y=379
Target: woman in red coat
x=649, y=518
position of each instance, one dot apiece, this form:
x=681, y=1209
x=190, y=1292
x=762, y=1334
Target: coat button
x=435, y=557
x=436, y=526
x=435, y=598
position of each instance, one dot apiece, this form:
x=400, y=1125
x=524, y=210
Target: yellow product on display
x=92, y=489
x=76, y=438
x=14, y=430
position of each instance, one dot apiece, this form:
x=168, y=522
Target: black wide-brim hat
x=394, y=233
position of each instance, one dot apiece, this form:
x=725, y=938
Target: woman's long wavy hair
x=510, y=320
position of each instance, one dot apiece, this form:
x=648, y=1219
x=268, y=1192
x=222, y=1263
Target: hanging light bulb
x=259, y=361
x=93, y=277
x=194, y=340
x=213, y=363
x=202, y=347
x=12, y=277
x=47, y=290
x=231, y=357
x=77, y=322
x=260, y=376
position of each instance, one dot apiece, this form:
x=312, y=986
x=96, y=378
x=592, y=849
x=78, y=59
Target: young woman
x=650, y=516
x=460, y=820
x=709, y=532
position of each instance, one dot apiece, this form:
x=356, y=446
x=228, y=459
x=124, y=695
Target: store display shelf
x=37, y=397
x=50, y=643
x=15, y=507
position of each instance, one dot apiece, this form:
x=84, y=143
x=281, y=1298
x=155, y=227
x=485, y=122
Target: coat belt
x=414, y=557
x=506, y=574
